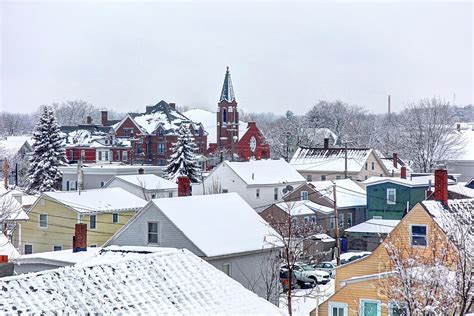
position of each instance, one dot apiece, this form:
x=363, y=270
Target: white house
x=145, y=186
x=220, y=228
x=259, y=182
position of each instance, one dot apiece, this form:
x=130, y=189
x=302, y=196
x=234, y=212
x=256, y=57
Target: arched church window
x=224, y=116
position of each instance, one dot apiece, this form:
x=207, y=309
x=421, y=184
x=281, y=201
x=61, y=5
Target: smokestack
x=104, y=117
x=79, y=240
x=5, y=173
x=184, y=186
x=441, y=185
x=326, y=143
x=395, y=160
x=403, y=172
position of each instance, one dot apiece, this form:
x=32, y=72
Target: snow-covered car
x=307, y=271
x=329, y=267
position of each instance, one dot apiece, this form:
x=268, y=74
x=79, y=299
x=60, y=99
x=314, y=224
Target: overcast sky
x=281, y=55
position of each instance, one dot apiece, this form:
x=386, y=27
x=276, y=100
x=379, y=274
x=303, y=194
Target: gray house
x=221, y=229
x=145, y=186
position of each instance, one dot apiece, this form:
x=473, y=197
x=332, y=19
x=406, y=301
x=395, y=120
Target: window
x=373, y=165
x=102, y=184
x=93, y=246
x=226, y=268
x=338, y=309
x=391, y=196
x=349, y=219
x=71, y=154
x=115, y=218
x=161, y=148
x=153, y=196
x=275, y=194
x=225, y=191
x=83, y=154
x=92, y=221
x=170, y=194
x=370, y=308
x=395, y=310
x=313, y=219
x=71, y=185
x=304, y=195
x=106, y=155
x=100, y=156
x=152, y=232
x=28, y=249
x=332, y=225
x=257, y=193
x=306, y=219
x=43, y=221
x=128, y=132
x=309, y=177
x=418, y=235
x=366, y=166
x=323, y=177
x=341, y=220
x=338, y=177
x=124, y=155
x=57, y=248
x=366, y=177
x=224, y=115
x=161, y=162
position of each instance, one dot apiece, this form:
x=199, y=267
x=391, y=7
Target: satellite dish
x=284, y=190
x=289, y=188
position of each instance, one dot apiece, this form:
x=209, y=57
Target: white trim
x=157, y=232
x=426, y=236
x=39, y=221
x=394, y=191
x=95, y=221
x=378, y=302
x=331, y=305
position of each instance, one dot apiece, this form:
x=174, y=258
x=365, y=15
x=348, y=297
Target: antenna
x=389, y=109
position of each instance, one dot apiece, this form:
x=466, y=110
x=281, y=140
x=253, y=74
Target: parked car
x=307, y=271
x=329, y=267
x=284, y=280
x=354, y=257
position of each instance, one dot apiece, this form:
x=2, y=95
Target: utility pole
x=336, y=230
x=288, y=134
x=345, y=158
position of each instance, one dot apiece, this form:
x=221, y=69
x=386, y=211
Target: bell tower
x=227, y=119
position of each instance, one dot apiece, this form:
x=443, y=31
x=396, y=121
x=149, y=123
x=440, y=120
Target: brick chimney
x=403, y=172
x=395, y=160
x=5, y=173
x=79, y=240
x=184, y=186
x=326, y=143
x=104, y=117
x=89, y=120
x=441, y=185
x=172, y=105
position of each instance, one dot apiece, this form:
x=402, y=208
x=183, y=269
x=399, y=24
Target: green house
x=390, y=198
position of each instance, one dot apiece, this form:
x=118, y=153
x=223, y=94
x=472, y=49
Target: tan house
x=329, y=163
x=361, y=285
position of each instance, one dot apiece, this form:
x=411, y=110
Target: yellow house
x=359, y=285
x=52, y=218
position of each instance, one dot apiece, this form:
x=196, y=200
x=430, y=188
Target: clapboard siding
x=136, y=234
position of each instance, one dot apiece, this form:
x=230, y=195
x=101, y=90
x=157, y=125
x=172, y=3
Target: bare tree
x=215, y=186
x=9, y=208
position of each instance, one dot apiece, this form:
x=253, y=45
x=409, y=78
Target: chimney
x=395, y=160
x=441, y=185
x=184, y=186
x=89, y=120
x=141, y=171
x=251, y=124
x=5, y=173
x=79, y=240
x=6, y=268
x=326, y=143
x=172, y=105
x=104, y=117
x=403, y=172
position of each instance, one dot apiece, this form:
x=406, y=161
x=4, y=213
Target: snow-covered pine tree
x=48, y=154
x=183, y=160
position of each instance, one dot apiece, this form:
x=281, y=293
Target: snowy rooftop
x=147, y=181
x=100, y=200
x=6, y=248
x=437, y=210
x=265, y=172
x=348, y=193
x=59, y=258
x=305, y=207
x=414, y=182
x=10, y=208
x=171, y=282
x=209, y=122
x=467, y=151
x=461, y=189
x=12, y=144
x=330, y=159
x=227, y=224
x=374, y=226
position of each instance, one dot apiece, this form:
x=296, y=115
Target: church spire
x=227, y=93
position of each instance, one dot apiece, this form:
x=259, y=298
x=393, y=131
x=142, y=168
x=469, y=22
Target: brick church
x=244, y=144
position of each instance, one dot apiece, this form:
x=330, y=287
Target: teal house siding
x=377, y=203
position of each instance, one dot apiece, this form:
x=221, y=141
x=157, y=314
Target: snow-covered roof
x=169, y=282
x=330, y=159
x=436, y=209
x=374, y=226
x=467, y=150
x=10, y=205
x=58, y=258
x=348, y=193
x=209, y=122
x=261, y=172
x=147, y=181
x=462, y=190
x=413, y=182
x=97, y=201
x=6, y=248
x=324, y=237
x=305, y=207
x=218, y=224
x=388, y=163
x=12, y=144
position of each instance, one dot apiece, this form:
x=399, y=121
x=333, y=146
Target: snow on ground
x=305, y=300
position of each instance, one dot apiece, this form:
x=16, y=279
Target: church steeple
x=227, y=93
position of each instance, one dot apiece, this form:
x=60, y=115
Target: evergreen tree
x=48, y=154
x=183, y=160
